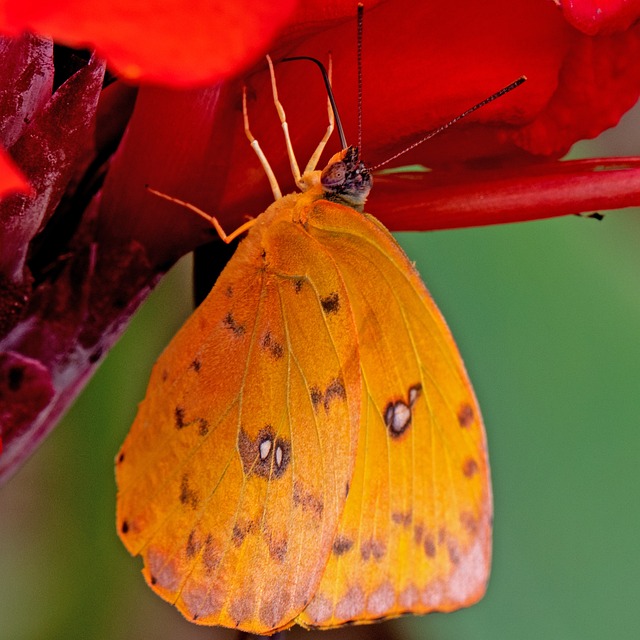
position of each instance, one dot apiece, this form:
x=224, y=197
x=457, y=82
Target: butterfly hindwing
x=415, y=533
x=234, y=474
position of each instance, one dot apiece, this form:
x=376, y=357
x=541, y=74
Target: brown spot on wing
x=267, y=456
x=342, y=545
x=429, y=545
x=203, y=427
x=124, y=527
x=277, y=546
x=334, y=391
x=470, y=468
x=331, y=303
x=372, y=549
x=196, y=364
x=465, y=415
x=307, y=500
x=187, y=495
x=272, y=346
x=297, y=284
x=230, y=323
x=179, y=417
x=193, y=544
x=211, y=554
x=469, y=522
x=403, y=518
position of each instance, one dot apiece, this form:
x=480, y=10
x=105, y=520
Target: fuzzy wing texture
x=233, y=478
x=415, y=535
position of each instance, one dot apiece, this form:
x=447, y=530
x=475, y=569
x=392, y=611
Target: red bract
x=80, y=255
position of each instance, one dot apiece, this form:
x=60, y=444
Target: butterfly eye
x=334, y=175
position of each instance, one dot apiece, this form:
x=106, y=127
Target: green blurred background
x=547, y=316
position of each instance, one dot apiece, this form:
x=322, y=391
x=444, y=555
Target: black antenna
x=327, y=84
x=441, y=128
x=360, y=25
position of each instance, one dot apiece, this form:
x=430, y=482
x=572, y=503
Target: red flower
x=80, y=254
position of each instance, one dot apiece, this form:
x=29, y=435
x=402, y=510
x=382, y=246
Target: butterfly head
x=346, y=179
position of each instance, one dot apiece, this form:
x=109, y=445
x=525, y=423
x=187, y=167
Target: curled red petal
x=12, y=179
x=595, y=16
x=158, y=41
x=426, y=201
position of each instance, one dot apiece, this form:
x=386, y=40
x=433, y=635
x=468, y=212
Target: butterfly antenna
x=360, y=24
x=332, y=100
x=441, y=128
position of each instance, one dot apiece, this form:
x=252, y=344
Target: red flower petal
x=424, y=201
x=11, y=178
x=595, y=16
x=192, y=145
x=161, y=41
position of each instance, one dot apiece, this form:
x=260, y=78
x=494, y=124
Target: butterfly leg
x=226, y=238
x=255, y=145
x=295, y=170
x=314, y=159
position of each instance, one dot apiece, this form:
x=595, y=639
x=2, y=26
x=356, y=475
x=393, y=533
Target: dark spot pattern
x=469, y=522
x=15, y=377
x=277, y=547
x=165, y=375
x=297, y=285
x=188, y=496
x=331, y=303
x=196, y=365
x=403, y=518
x=241, y=530
x=429, y=545
x=153, y=580
x=210, y=554
x=373, y=549
x=398, y=413
x=465, y=416
x=203, y=427
x=307, y=500
x=179, y=417
x=229, y=291
x=267, y=456
x=95, y=356
x=316, y=397
x=230, y=323
x=125, y=527
x=469, y=468
x=121, y=457
x=272, y=346
x=342, y=545
x=193, y=544
x=335, y=391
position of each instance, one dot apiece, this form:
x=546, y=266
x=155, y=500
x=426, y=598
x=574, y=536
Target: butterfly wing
x=416, y=531
x=233, y=477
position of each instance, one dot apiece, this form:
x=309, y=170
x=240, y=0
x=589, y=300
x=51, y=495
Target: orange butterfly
x=310, y=449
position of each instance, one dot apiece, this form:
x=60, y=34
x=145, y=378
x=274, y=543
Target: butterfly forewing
x=415, y=533
x=233, y=477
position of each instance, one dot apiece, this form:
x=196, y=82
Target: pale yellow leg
x=315, y=158
x=275, y=187
x=209, y=218
x=295, y=170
